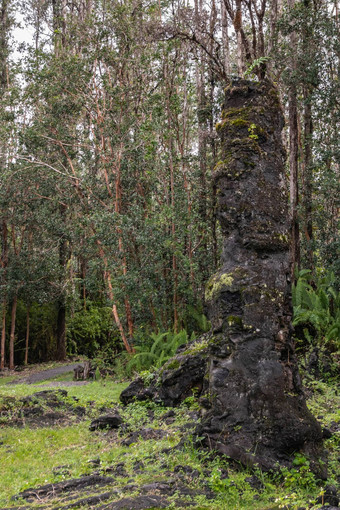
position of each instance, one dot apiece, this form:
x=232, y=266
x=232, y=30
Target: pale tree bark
x=168, y=78
x=307, y=159
x=308, y=182
x=200, y=73
x=3, y=265
x=3, y=335
x=211, y=122
x=4, y=29
x=27, y=334
x=240, y=50
x=293, y=160
x=12, y=334
x=225, y=37
x=61, y=303
x=17, y=244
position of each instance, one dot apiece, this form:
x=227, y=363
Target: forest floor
x=142, y=458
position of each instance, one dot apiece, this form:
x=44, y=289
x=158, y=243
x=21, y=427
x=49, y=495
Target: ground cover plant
x=151, y=459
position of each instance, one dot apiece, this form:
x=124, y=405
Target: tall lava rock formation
x=258, y=412
x=253, y=406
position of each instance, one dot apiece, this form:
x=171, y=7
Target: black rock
x=143, y=434
x=108, y=421
x=326, y=433
x=330, y=496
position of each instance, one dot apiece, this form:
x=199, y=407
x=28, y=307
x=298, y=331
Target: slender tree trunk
x=108, y=281
x=212, y=140
x=225, y=37
x=61, y=331
x=173, y=235
x=308, y=183
x=27, y=334
x=240, y=49
x=293, y=163
x=294, y=183
x=203, y=116
x=3, y=336
x=3, y=224
x=61, y=317
x=4, y=262
x=12, y=334
x=307, y=160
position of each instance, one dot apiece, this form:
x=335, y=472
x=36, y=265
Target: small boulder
x=107, y=421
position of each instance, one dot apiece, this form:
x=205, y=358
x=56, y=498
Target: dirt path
x=45, y=375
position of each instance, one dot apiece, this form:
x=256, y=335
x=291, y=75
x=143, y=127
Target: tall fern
x=319, y=308
x=163, y=347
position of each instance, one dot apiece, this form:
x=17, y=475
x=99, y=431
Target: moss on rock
x=216, y=284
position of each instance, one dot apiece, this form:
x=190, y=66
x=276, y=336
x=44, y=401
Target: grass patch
x=102, y=392
x=30, y=458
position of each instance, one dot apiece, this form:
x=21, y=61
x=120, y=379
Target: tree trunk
x=12, y=334
x=308, y=183
x=3, y=223
x=203, y=116
x=293, y=164
x=61, y=317
x=225, y=37
x=27, y=334
x=3, y=336
x=4, y=262
x=4, y=25
x=294, y=180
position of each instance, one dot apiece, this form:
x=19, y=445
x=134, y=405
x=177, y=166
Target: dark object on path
x=84, y=372
x=108, y=421
x=253, y=406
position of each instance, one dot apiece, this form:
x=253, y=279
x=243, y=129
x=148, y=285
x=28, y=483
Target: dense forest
x=109, y=119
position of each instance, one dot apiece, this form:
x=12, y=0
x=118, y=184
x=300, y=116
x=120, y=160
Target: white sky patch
x=22, y=34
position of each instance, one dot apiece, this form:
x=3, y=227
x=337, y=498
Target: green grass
x=29, y=458
x=101, y=392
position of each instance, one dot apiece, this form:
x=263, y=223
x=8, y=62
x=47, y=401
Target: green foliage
x=42, y=331
x=200, y=322
x=318, y=309
x=162, y=348
x=251, y=70
x=90, y=332
x=300, y=476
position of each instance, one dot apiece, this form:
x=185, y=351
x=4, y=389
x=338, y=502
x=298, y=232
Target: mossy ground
x=34, y=457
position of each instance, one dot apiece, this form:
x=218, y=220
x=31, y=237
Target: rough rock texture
x=257, y=409
x=107, y=421
x=51, y=490
x=253, y=407
x=177, y=380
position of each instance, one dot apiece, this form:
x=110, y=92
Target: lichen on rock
x=216, y=283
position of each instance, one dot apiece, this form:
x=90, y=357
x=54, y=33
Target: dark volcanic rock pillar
x=258, y=413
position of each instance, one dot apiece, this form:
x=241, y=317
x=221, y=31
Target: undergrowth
x=31, y=458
